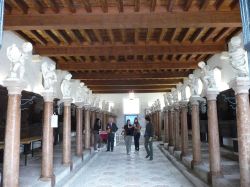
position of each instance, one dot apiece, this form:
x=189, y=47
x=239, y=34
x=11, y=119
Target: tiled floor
x=116, y=169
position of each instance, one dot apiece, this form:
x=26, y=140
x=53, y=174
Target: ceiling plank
x=125, y=65
x=98, y=36
x=170, y=5
x=7, y=8
x=137, y=87
x=64, y=36
x=129, y=49
x=120, y=5
x=86, y=36
x=127, y=91
x=234, y=4
x=121, y=21
x=162, y=34
x=218, y=4
x=87, y=5
x=53, y=5
x=221, y=34
x=152, y=5
x=70, y=5
x=52, y=37
x=38, y=6
x=38, y=37
x=111, y=36
x=137, y=5
x=187, y=5
x=21, y=5
x=129, y=76
x=204, y=4
x=104, y=5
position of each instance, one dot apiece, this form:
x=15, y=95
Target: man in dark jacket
x=111, y=129
x=149, y=133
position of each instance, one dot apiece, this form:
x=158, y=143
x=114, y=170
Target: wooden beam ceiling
x=128, y=90
x=80, y=66
x=121, y=21
x=129, y=76
x=128, y=49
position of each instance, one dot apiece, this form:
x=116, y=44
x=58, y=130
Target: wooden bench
x=28, y=143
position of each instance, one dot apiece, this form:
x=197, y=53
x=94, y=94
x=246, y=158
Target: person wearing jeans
x=111, y=130
x=149, y=133
x=137, y=134
x=128, y=134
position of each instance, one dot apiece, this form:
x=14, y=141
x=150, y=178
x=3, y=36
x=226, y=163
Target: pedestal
x=87, y=129
x=196, y=131
x=12, y=134
x=184, y=129
x=79, y=149
x=66, y=159
x=241, y=88
x=47, y=139
x=213, y=134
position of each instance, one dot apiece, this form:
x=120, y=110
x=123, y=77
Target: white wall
x=144, y=99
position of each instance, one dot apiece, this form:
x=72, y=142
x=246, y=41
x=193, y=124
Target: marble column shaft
x=47, y=139
x=166, y=126
x=177, y=129
x=213, y=135
x=184, y=131
x=93, y=118
x=87, y=129
x=196, y=143
x=12, y=142
x=66, y=159
x=171, y=124
x=79, y=149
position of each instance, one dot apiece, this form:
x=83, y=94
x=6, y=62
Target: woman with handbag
x=137, y=134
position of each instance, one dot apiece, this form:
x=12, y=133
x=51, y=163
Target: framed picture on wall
x=131, y=117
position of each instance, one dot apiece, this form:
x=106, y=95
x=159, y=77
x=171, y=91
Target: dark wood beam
x=38, y=6
x=129, y=49
x=121, y=21
x=218, y=4
x=87, y=5
x=129, y=76
x=170, y=5
x=136, y=87
x=127, y=91
x=120, y=5
x=124, y=65
x=152, y=5
x=204, y=4
x=137, y=5
x=187, y=5
x=133, y=82
x=21, y=5
x=70, y=5
x=53, y=5
x=7, y=8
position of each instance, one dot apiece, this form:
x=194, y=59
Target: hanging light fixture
x=131, y=95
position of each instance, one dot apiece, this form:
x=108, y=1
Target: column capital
x=79, y=104
x=211, y=94
x=14, y=87
x=67, y=101
x=240, y=85
x=183, y=104
x=195, y=100
x=48, y=96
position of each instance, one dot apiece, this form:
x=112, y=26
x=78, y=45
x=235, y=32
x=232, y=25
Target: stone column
x=213, y=134
x=66, y=159
x=12, y=134
x=177, y=128
x=166, y=126
x=171, y=121
x=174, y=127
x=93, y=117
x=87, y=128
x=241, y=87
x=47, y=139
x=184, y=129
x=79, y=150
x=196, y=131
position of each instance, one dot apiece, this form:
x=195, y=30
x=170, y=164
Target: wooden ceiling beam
x=170, y=5
x=125, y=65
x=152, y=5
x=104, y=5
x=64, y=36
x=98, y=36
x=162, y=34
x=218, y=4
x=21, y=5
x=133, y=82
x=7, y=8
x=129, y=49
x=137, y=87
x=130, y=76
x=38, y=6
x=234, y=4
x=120, y=5
x=221, y=34
x=127, y=91
x=52, y=37
x=70, y=5
x=187, y=5
x=87, y=5
x=122, y=21
x=204, y=4
x=137, y=5
x=53, y=5
x=38, y=37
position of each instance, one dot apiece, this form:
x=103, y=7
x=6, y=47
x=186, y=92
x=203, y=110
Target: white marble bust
x=80, y=93
x=207, y=76
x=66, y=86
x=193, y=83
x=49, y=76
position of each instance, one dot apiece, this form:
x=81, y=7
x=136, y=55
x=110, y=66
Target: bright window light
x=131, y=106
x=179, y=96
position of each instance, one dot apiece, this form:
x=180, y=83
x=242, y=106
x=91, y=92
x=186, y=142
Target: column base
x=194, y=163
x=213, y=176
x=68, y=165
x=52, y=179
x=80, y=156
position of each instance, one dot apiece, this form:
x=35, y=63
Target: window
x=131, y=106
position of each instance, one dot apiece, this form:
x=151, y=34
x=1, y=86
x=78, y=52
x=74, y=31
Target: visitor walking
x=97, y=140
x=111, y=130
x=149, y=133
x=128, y=134
x=137, y=134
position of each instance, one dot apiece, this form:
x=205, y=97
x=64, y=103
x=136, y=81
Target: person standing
x=137, y=134
x=128, y=134
x=97, y=128
x=149, y=131
x=111, y=130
